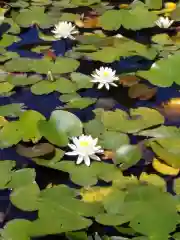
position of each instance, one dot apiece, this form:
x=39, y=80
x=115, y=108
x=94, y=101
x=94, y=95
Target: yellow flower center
x=105, y=74
x=170, y=5
x=84, y=143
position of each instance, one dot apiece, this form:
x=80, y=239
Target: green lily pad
x=113, y=140
x=5, y=87
x=34, y=15
x=29, y=201
x=53, y=134
x=66, y=122
x=6, y=167
x=127, y=155
x=16, y=229
x=80, y=103
x=64, y=85
x=22, y=177
x=164, y=72
x=43, y=87
x=81, y=80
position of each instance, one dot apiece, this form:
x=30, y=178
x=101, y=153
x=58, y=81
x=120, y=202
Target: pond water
x=48, y=100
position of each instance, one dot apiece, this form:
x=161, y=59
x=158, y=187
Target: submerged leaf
x=38, y=150
x=141, y=91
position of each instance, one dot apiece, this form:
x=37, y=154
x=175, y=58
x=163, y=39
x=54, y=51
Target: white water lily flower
x=164, y=22
x=105, y=77
x=154, y=65
x=119, y=36
x=85, y=147
x=64, y=30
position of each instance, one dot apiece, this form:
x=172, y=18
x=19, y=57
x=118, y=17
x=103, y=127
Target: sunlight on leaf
x=164, y=169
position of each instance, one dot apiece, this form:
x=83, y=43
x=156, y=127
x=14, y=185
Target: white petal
x=80, y=159
x=107, y=86
x=75, y=140
x=94, y=81
x=100, y=151
x=100, y=85
x=71, y=37
x=113, y=84
x=95, y=141
x=94, y=157
x=87, y=161
x=73, y=153
x=98, y=71
x=72, y=146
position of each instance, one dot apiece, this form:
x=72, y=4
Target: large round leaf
x=66, y=122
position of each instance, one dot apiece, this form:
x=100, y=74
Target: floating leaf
x=51, y=163
x=65, y=65
x=3, y=121
x=164, y=169
x=141, y=91
x=53, y=134
x=162, y=39
x=17, y=229
x=87, y=176
x=154, y=4
x=84, y=2
x=80, y=103
x=111, y=219
x=158, y=207
x=14, y=109
x=22, y=177
x=111, y=20
x=95, y=194
x=81, y=80
x=106, y=55
x=30, y=196
x=5, y=172
x=127, y=155
x=153, y=179
x=141, y=118
x=177, y=186
x=30, y=131
x=38, y=150
x=61, y=65
x=162, y=132
x=138, y=17
x=68, y=97
x=7, y=40
x=66, y=122
x=164, y=150
x=23, y=80
x=34, y=15
x=64, y=85
x=164, y=72
x=113, y=140
x=43, y=87
x=5, y=87
x=129, y=80
x=10, y=134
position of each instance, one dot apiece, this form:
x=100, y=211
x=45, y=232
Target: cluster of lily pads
x=99, y=150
